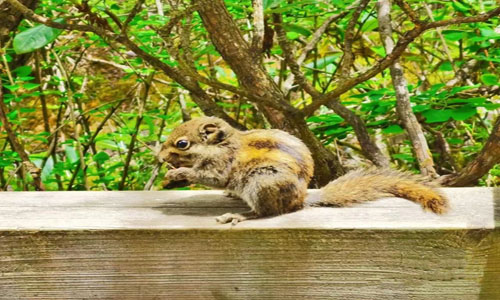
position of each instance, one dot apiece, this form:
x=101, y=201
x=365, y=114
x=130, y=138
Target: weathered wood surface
x=166, y=245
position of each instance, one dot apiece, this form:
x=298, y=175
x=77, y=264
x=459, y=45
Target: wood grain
x=166, y=245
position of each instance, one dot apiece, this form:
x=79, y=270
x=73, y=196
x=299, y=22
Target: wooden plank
x=471, y=208
x=143, y=245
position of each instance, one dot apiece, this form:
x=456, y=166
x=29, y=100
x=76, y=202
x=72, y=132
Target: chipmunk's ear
x=212, y=133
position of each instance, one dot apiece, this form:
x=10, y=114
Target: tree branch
x=368, y=146
x=403, y=105
x=258, y=27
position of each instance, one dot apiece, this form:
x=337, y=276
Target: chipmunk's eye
x=182, y=144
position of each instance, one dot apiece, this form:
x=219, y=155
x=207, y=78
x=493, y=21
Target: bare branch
x=258, y=27
x=444, y=146
x=368, y=147
x=403, y=105
x=138, y=121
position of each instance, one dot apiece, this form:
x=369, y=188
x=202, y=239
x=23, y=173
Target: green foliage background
x=103, y=80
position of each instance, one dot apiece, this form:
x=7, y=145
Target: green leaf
x=377, y=123
x=370, y=25
x=420, y=108
x=71, y=154
x=30, y=86
x=446, y=66
x=455, y=141
x=488, y=32
x=460, y=6
x=297, y=28
x=13, y=114
x=454, y=35
x=489, y=79
x=35, y=38
x=379, y=50
x=393, y=129
x=22, y=71
x=270, y=3
x=463, y=113
x=47, y=169
x=27, y=109
x=292, y=35
x=338, y=132
x=403, y=156
x=101, y=157
x=12, y=88
x=475, y=100
x=329, y=119
x=437, y=115
x=491, y=106
x=459, y=89
x=324, y=61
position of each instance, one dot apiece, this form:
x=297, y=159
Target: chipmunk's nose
x=170, y=158
x=164, y=156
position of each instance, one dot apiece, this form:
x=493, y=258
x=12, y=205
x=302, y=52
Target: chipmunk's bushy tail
x=367, y=185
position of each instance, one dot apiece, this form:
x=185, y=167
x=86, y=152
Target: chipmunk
x=270, y=170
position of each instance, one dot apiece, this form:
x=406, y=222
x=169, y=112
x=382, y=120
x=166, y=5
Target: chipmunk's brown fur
x=270, y=171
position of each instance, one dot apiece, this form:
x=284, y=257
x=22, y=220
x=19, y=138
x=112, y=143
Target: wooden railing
x=167, y=245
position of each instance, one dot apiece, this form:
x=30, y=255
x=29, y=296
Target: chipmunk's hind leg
x=276, y=194
x=269, y=192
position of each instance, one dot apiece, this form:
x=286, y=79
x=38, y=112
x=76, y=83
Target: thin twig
x=73, y=116
x=348, y=58
x=130, y=152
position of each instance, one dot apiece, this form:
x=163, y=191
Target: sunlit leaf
x=34, y=38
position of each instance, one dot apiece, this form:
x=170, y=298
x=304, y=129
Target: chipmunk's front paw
x=230, y=217
x=179, y=177
x=179, y=174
